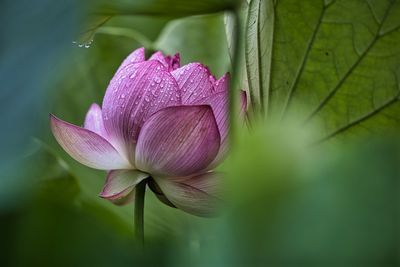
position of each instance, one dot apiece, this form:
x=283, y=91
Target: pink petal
x=175, y=62
x=94, y=121
x=134, y=94
x=135, y=57
x=161, y=58
x=86, y=146
x=195, y=82
x=170, y=63
x=243, y=104
x=125, y=199
x=222, y=85
x=178, y=141
x=198, y=195
x=121, y=183
x=219, y=103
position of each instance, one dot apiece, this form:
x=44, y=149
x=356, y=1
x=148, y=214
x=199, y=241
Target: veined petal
x=86, y=146
x=120, y=183
x=178, y=141
x=94, y=121
x=198, y=195
x=194, y=82
x=222, y=85
x=219, y=103
x=134, y=57
x=134, y=94
x=161, y=58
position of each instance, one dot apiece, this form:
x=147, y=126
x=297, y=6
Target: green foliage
x=333, y=65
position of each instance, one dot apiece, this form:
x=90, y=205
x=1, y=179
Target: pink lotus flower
x=161, y=122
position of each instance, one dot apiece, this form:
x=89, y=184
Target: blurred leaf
x=200, y=38
x=102, y=11
x=131, y=27
x=335, y=64
x=35, y=36
x=169, y=8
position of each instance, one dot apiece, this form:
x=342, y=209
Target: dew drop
x=157, y=79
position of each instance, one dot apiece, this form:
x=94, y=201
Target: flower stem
x=139, y=211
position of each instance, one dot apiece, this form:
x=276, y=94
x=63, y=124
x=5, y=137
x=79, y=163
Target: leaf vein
x=349, y=72
x=303, y=62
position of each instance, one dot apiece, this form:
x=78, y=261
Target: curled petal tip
x=120, y=183
x=135, y=57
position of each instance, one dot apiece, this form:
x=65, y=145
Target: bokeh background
x=291, y=202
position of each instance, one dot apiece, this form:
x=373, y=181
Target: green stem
x=139, y=211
